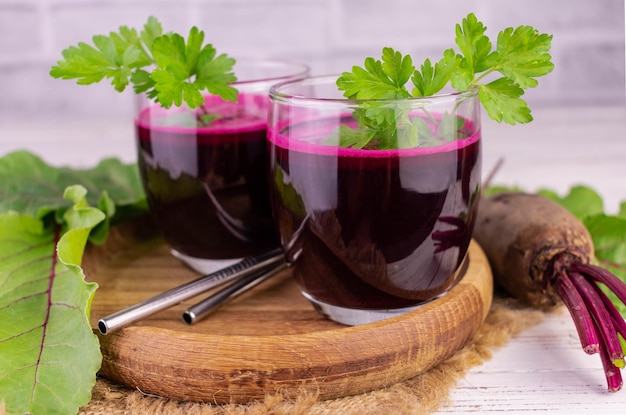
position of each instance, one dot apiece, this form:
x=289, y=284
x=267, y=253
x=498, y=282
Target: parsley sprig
x=521, y=55
x=167, y=67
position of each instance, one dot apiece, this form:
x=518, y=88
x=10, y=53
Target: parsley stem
x=476, y=81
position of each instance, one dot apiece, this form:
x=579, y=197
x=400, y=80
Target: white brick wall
x=329, y=35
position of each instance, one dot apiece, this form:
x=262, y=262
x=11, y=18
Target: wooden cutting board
x=269, y=340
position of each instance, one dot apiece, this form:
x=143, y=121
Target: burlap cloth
x=422, y=394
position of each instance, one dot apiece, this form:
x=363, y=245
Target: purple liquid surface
x=374, y=229
x=206, y=186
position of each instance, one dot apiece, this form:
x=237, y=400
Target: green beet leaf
x=609, y=242
x=49, y=355
x=32, y=187
x=581, y=201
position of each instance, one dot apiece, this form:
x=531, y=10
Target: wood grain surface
x=269, y=340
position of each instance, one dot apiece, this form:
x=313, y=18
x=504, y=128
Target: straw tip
x=189, y=317
x=102, y=327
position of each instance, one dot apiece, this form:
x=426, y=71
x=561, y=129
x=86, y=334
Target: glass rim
x=301, y=69
x=275, y=92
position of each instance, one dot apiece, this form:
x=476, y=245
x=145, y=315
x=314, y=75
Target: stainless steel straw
x=205, y=307
x=146, y=308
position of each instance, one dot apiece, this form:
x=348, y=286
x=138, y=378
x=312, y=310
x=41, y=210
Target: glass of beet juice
x=205, y=170
x=378, y=229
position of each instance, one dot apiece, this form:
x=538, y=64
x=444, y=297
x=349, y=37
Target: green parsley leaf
x=451, y=127
x=398, y=68
x=474, y=45
x=378, y=83
x=214, y=74
x=521, y=56
x=351, y=137
x=501, y=99
x=151, y=30
x=143, y=82
x=166, y=67
x=379, y=80
x=432, y=80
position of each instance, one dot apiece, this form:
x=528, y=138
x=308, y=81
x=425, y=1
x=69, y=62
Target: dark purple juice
x=374, y=229
x=206, y=186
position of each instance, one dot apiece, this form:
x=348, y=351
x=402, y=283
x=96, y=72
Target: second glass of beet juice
x=204, y=170
x=375, y=200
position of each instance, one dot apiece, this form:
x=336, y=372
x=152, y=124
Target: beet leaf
x=581, y=201
x=49, y=354
x=32, y=187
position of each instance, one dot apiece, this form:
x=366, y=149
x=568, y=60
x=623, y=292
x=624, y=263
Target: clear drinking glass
x=204, y=170
x=373, y=232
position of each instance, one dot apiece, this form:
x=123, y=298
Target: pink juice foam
x=249, y=114
x=325, y=150
x=384, y=228
x=206, y=185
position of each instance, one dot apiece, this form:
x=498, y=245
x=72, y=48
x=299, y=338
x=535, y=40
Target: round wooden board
x=269, y=340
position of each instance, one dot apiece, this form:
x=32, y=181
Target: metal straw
x=146, y=308
x=207, y=306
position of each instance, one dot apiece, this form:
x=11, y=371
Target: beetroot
x=543, y=255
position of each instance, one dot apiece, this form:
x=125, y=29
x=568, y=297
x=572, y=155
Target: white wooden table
x=543, y=369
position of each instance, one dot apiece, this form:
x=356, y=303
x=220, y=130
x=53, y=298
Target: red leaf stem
x=580, y=314
x=601, y=316
x=618, y=320
x=603, y=276
x=612, y=373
